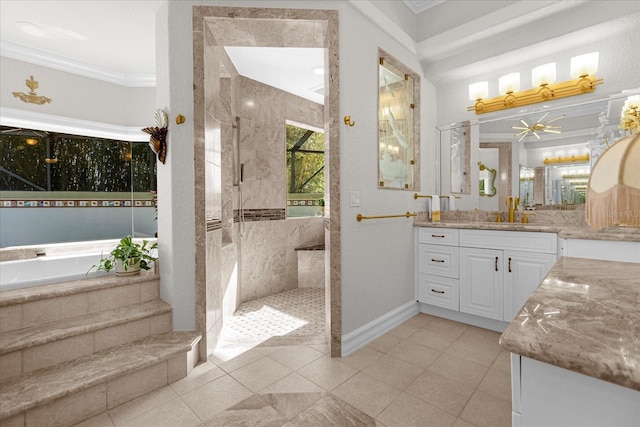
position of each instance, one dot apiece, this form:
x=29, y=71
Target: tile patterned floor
x=426, y=372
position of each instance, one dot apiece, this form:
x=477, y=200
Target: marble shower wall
x=268, y=261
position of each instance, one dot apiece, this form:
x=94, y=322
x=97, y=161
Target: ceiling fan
x=538, y=126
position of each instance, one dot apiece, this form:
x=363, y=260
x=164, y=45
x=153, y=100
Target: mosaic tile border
x=214, y=224
x=76, y=203
x=260, y=214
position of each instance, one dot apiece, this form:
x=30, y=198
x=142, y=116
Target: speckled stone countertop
x=568, y=224
x=585, y=317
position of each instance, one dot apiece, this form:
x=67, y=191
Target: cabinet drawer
x=438, y=236
x=439, y=260
x=439, y=291
x=530, y=241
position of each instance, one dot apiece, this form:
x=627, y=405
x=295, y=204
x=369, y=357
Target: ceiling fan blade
x=557, y=118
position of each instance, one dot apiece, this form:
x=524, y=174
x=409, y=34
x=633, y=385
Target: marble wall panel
x=230, y=288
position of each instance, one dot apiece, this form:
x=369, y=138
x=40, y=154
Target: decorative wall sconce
x=158, y=142
x=32, y=97
x=583, y=69
x=630, y=116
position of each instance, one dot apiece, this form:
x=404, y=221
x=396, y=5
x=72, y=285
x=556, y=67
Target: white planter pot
x=132, y=268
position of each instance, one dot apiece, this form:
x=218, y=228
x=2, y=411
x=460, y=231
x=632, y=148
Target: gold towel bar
x=360, y=217
x=416, y=196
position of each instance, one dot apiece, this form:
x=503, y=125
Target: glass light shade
x=479, y=90
x=632, y=102
x=544, y=74
x=584, y=65
x=509, y=83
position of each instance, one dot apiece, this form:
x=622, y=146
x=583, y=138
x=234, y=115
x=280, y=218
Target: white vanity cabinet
x=500, y=269
x=483, y=273
x=438, y=267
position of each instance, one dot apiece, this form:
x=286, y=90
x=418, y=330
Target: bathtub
x=46, y=270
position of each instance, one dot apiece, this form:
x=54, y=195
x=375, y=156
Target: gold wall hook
x=348, y=121
x=180, y=119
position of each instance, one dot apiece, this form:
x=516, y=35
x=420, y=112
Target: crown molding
x=367, y=9
x=419, y=6
x=12, y=117
x=33, y=56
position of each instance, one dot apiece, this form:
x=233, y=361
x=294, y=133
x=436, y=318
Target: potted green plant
x=128, y=257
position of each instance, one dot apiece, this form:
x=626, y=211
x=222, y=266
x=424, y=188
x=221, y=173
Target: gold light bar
x=360, y=217
x=544, y=93
x=570, y=159
x=420, y=196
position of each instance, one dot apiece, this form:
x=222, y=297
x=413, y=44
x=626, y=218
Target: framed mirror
x=398, y=125
x=550, y=167
x=487, y=180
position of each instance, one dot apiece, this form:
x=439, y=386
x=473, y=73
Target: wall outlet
x=354, y=198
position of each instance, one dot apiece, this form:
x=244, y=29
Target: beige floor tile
x=408, y=411
x=404, y=330
x=327, y=372
x=200, y=375
x=484, y=410
x=459, y=370
x=293, y=383
x=366, y=393
x=497, y=384
x=231, y=359
x=123, y=413
x=331, y=411
x=102, y=420
x=385, y=342
x=216, y=396
x=502, y=362
x=362, y=358
x=462, y=423
x=295, y=357
x=415, y=353
x=260, y=374
x=449, y=327
x=420, y=319
x=476, y=345
x=435, y=339
x=170, y=414
x=322, y=348
x=393, y=371
x=291, y=404
x=441, y=392
x=253, y=411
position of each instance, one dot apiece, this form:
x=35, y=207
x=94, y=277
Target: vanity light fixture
x=583, y=70
x=630, y=116
x=568, y=159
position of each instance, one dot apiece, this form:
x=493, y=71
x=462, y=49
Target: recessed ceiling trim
x=39, y=121
x=33, y=56
x=419, y=6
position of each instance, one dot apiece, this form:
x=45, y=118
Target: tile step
x=37, y=335
x=42, y=387
x=19, y=296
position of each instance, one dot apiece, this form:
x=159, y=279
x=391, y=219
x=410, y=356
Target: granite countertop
x=585, y=317
x=563, y=230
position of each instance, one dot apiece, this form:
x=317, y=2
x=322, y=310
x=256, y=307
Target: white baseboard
x=366, y=333
x=470, y=319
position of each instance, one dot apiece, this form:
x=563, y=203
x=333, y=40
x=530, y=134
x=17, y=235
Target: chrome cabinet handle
x=509, y=264
x=437, y=292
x=496, y=263
x=437, y=260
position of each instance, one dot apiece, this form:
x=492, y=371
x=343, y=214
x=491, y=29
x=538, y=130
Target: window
x=305, y=172
x=32, y=160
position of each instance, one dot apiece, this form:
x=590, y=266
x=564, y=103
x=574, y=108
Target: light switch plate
x=354, y=198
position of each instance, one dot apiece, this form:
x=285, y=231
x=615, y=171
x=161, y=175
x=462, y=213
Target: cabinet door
x=481, y=282
x=524, y=272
